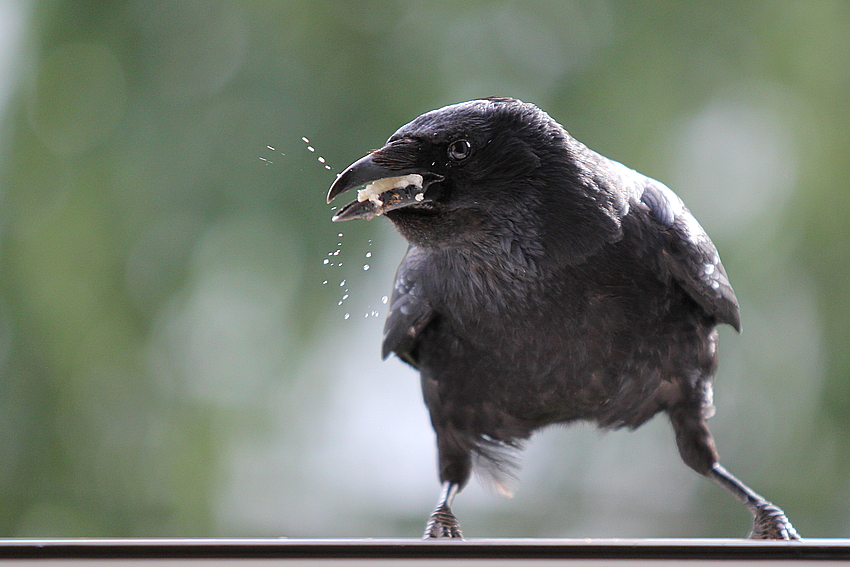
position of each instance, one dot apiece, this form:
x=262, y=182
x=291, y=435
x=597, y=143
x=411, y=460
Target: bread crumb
x=373, y=190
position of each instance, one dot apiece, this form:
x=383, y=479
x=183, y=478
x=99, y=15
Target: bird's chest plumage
x=578, y=343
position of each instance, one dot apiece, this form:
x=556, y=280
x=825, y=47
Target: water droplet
x=326, y=261
x=339, y=302
x=271, y=148
x=344, y=297
x=311, y=149
x=336, y=253
x=328, y=167
x=385, y=299
x=368, y=254
x=340, y=264
x=325, y=282
x=340, y=235
x=346, y=316
x=321, y=159
x=365, y=267
x=306, y=141
x=342, y=283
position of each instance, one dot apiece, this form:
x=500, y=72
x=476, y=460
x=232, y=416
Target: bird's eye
x=459, y=150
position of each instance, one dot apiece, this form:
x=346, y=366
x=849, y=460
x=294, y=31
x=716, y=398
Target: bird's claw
x=442, y=524
x=770, y=522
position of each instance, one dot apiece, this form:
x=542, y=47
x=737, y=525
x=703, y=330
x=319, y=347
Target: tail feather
x=496, y=464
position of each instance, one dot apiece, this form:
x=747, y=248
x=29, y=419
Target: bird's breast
x=567, y=346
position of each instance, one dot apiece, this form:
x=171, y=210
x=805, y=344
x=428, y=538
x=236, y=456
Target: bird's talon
x=442, y=524
x=770, y=522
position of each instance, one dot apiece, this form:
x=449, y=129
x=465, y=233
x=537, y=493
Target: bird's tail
x=496, y=464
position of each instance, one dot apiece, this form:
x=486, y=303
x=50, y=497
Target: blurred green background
x=178, y=359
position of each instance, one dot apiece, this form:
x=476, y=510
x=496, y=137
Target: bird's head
x=477, y=171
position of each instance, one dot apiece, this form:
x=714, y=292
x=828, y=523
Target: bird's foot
x=770, y=522
x=442, y=524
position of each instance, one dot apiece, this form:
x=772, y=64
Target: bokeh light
x=177, y=358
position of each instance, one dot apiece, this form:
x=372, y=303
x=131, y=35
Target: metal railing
x=404, y=551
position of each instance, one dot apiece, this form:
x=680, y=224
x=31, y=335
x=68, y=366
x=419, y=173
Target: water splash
x=268, y=161
x=311, y=149
x=334, y=260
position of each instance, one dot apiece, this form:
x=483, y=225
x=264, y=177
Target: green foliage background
x=172, y=364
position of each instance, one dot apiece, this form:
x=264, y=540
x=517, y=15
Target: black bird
x=543, y=284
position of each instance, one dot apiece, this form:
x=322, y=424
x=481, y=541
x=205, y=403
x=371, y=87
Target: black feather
x=545, y=283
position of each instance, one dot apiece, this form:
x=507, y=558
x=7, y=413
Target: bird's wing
x=690, y=254
x=409, y=311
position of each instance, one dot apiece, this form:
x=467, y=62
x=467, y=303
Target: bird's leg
x=769, y=521
x=442, y=523
x=697, y=450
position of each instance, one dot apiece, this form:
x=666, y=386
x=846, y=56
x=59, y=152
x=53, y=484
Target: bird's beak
x=388, y=187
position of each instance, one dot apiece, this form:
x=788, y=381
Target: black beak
x=398, y=186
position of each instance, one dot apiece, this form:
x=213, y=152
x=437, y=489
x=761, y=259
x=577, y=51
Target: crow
x=544, y=284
